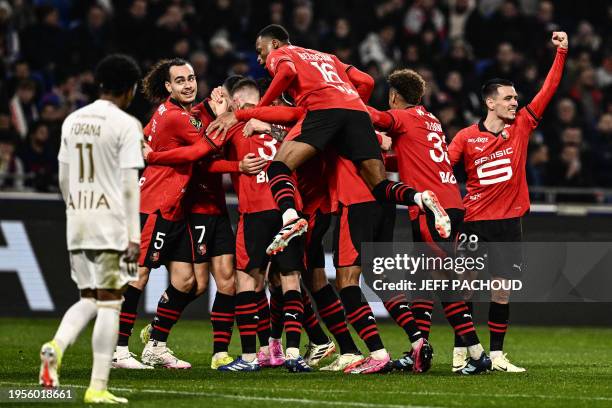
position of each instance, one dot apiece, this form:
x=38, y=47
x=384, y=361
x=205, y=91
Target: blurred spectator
x=604, y=72
x=44, y=43
x=505, y=64
x=221, y=59
x=39, y=159
x=23, y=107
x=537, y=165
x=603, y=152
x=380, y=47
x=91, y=40
x=66, y=95
x=11, y=168
x=134, y=29
x=170, y=28
x=424, y=13
x=586, y=93
x=9, y=39
x=458, y=13
x=510, y=25
x=302, y=31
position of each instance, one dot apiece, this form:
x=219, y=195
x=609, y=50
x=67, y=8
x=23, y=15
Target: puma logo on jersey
x=480, y=149
x=292, y=315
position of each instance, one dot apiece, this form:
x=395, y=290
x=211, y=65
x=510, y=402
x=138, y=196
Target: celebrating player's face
x=183, y=85
x=263, y=47
x=505, y=103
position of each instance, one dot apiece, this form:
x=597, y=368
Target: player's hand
x=220, y=126
x=559, y=39
x=132, y=253
x=146, y=149
x=218, y=94
x=256, y=126
x=386, y=142
x=251, y=164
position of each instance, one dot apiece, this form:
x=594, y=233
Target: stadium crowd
x=49, y=48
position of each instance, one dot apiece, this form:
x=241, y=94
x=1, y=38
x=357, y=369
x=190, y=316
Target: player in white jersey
x=99, y=158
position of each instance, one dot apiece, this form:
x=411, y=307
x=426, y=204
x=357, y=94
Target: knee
x=500, y=296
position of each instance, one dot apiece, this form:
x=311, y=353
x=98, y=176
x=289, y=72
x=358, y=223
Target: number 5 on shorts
x=159, y=240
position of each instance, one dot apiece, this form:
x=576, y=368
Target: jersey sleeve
x=271, y=114
x=275, y=58
x=383, y=120
x=130, y=145
x=539, y=103
x=363, y=83
x=223, y=166
x=455, y=149
x=62, y=156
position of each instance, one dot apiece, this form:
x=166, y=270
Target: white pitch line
x=246, y=397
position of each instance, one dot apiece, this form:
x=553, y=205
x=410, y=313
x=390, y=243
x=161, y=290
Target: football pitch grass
x=566, y=367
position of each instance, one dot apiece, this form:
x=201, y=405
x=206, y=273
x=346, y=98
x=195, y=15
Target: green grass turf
x=566, y=367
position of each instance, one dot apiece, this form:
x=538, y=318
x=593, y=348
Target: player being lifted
x=332, y=94
x=98, y=175
x=494, y=154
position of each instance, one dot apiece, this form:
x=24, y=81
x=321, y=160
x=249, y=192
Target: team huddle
x=301, y=149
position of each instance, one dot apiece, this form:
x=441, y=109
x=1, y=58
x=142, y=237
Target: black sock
x=499, y=315
x=246, y=310
x=169, y=308
x=360, y=316
x=293, y=315
x=332, y=314
x=458, y=339
x=282, y=185
x=222, y=318
x=422, y=310
x=400, y=311
x=276, y=312
x=263, y=321
x=127, y=317
x=313, y=329
x=394, y=192
x=460, y=319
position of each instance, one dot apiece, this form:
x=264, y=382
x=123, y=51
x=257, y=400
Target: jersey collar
x=209, y=109
x=482, y=128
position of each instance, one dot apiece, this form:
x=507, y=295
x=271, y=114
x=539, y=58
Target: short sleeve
x=455, y=149
x=130, y=145
x=275, y=58
x=62, y=156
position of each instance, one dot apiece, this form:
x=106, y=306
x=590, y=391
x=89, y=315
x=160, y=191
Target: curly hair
x=154, y=83
x=409, y=84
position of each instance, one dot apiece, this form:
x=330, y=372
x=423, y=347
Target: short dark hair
x=154, y=83
x=409, y=84
x=231, y=80
x=117, y=74
x=490, y=87
x=244, y=83
x=276, y=32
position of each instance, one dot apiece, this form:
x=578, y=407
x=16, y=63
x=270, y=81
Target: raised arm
x=363, y=82
x=537, y=106
x=285, y=74
x=382, y=120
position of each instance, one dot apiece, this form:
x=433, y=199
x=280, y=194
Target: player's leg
x=111, y=275
x=355, y=225
x=277, y=355
x=222, y=314
x=358, y=142
x=73, y=321
x=310, y=136
x=509, y=234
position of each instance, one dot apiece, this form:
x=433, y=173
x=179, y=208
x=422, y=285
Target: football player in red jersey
x=423, y=162
x=494, y=153
x=259, y=216
x=165, y=236
x=332, y=94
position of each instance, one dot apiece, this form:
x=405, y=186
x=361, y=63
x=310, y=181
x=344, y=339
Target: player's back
x=321, y=82
x=98, y=140
x=254, y=194
x=422, y=155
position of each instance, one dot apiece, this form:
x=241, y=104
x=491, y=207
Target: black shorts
x=318, y=224
x=255, y=232
x=163, y=241
x=424, y=230
x=356, y=224
x=350, y=131
x=505, y=254
x=212, y=235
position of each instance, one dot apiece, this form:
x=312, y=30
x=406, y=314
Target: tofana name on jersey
x=85, y=129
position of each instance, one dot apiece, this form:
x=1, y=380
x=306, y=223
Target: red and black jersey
x=254, y=194
x=421, y=152
x=321, y=80
x=495, y=163
x=163, y=187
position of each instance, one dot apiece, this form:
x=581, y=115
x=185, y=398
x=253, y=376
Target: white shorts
x=99, y=269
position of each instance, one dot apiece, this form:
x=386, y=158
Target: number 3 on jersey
x=439, y=154
x=262, y=177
